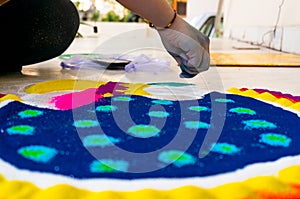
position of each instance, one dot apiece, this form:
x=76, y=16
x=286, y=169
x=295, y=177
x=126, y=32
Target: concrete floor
x=136, y=39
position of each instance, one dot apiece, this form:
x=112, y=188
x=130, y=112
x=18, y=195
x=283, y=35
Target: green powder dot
x=274, y=139
x=198, y=108
x=108, y=166
x=38, y=153
x=143, y=131
x=99, y=140
x=225, y=148
x=159, y=114
x=258, y=124
x=106, y=108
x=241, y=110
x=224, y=100
x=21, y=130
x=86, y=123
x=122, y=98
x=30, y=113
x=196, y=125
x=177, y=158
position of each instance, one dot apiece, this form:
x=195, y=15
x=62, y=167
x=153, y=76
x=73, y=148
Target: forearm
x=158, y=12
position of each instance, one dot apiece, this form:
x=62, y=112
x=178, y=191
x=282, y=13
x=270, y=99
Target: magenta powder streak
x=280, y=95
x=88, y=96
x=75, y=99
x=111, y=87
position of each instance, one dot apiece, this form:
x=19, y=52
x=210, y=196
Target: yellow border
x=285, y=185
x=266, y=96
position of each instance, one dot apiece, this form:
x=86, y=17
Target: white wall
x=196, y=7
x=255, y=21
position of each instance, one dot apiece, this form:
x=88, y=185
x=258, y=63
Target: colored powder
x=41, y=154
x=106, y=108
x=258, y=189
x=278, y=94
x=258, y=124
x=99, y=140
x=111, y=87
x=223, y=100
x=238, y=147
x=61, y=85
x=198, y=108
x=108, y=166
x=122, y=98
x=177, y=158
x=243, y=89
x=159, y=114
x=241, y=110
x=275, y=139
x=225, y=148
x=10, y=97
x=75, y=99
x=30, y=113
x=196, y=125
x=86, y=123
x=136, y=89
x=20, y=130
x=162, y=102
x=143, y=131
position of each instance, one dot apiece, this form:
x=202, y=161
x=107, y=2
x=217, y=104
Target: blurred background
x=274, y=24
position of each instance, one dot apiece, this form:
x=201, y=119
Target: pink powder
x=75, y=99
x=88, y=96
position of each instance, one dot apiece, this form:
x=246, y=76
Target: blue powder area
x=117, y=136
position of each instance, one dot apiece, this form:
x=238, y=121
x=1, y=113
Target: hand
x=188, y=46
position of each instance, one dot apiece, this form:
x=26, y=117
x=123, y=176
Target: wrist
x=168, y=25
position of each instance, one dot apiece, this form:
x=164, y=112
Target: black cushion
x=35, y=30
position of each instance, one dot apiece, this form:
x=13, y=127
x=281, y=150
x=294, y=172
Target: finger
x=205, y=62
x=176, y=57
x=178, y=60
x=195, y=56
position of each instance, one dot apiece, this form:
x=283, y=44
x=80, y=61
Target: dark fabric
x=33, y=31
